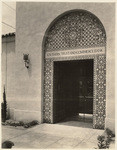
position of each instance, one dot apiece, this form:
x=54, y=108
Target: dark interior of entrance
x=72, y=89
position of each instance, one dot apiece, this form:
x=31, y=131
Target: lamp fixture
x=26, y=60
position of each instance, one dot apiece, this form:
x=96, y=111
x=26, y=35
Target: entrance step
x=67, y=131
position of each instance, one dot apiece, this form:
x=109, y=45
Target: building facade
x=71, y=50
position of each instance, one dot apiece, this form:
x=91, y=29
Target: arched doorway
x=75, y=39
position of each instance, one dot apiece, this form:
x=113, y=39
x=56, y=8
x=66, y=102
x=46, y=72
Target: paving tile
x=86, y=145
x=45, y=141
x=93, y=139
x=27, y=138
x=24, y=145
x=41, y=141
x=98, y=132
x=52, y=136
x=8, y=133
x=65, y=143
x=59, y=146
x=64, y=131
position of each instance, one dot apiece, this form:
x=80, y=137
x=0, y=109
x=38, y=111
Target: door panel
x=85, y=95
x=72, y=88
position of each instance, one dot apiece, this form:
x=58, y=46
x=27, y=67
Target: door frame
x=99, y=97
x=78, y=58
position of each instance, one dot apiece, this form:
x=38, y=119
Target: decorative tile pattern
x=48, y=85
x=100, y=91
x=47, y=92
x=75, y=29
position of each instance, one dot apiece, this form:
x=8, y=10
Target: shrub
x=110, y=134
x=102, y=142
x=105, y=139
x=4, y=107
x=21, y=123
x=7, y=144
x=30, y=124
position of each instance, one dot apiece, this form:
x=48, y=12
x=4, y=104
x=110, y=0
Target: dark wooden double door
x=72, y=88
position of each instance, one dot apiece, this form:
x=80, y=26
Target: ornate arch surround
x=76, y=35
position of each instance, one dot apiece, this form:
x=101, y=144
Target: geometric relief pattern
x=77, y=29
x=100, y=92
x=99, y=95
x=47, y=92
x=48, y=85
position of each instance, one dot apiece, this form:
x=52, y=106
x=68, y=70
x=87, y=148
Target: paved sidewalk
x=52, y=136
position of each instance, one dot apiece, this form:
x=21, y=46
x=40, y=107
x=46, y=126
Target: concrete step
x=66, y=131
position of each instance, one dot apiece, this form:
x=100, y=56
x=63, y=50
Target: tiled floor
x=52, y=136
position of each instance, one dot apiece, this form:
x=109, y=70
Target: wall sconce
x=26, y=60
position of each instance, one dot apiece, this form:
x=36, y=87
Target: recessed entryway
x=65, y=46
x=73, y=91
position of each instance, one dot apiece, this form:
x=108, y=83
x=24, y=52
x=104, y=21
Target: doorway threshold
x=81, y=120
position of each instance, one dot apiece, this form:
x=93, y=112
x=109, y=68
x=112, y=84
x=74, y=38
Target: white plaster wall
x=3, y=66
x=7, y=67
x=32, y=20
x=8, y=63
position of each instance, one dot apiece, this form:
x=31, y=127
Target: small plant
x=102, y=142
x=7, y=144
x=110, y=134
x=105, y=139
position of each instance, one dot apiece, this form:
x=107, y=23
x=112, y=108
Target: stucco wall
x=8, y=63
x=32, y=20
x=7, y=69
